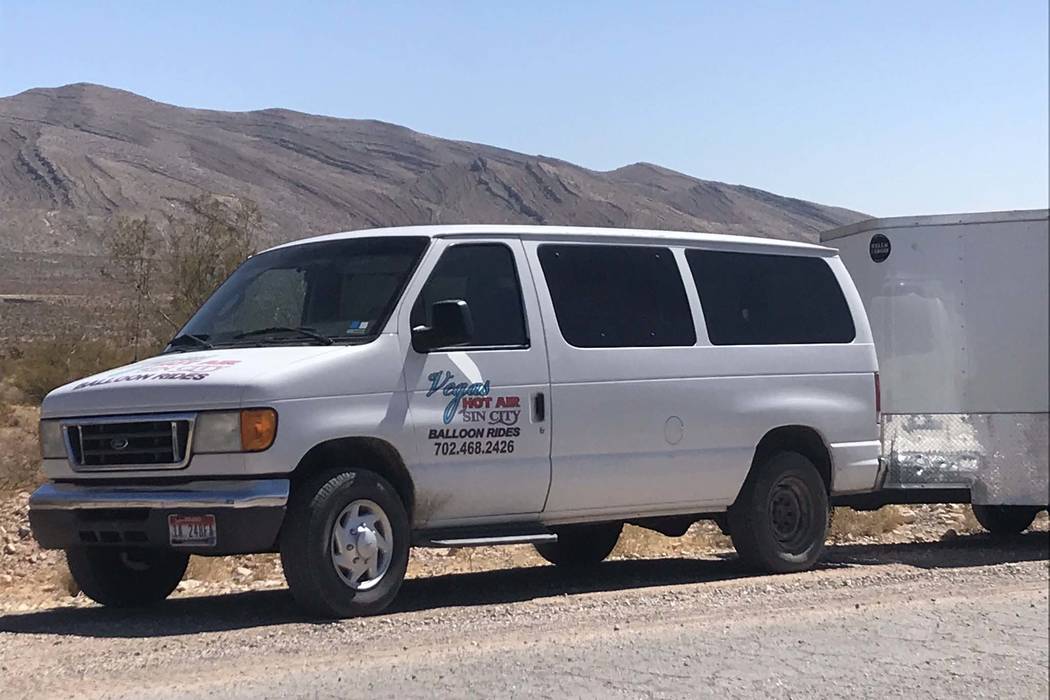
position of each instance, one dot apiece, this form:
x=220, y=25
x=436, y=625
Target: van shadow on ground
x=275, y=607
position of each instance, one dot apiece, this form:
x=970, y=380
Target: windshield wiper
x=190, y=339
x=302, y=331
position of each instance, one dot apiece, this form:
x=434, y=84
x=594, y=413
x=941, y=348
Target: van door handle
x=539, y=407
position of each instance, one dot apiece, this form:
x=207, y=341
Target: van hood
x=185, y=381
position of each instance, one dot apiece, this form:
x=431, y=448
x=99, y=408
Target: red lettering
x=477, y=401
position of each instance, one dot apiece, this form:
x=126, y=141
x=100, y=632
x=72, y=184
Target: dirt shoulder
x=32, y=578
x=960, y=617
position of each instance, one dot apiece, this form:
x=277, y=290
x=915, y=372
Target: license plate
x=191, y=530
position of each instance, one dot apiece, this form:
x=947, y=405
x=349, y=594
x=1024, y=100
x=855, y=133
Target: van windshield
x=326, y=292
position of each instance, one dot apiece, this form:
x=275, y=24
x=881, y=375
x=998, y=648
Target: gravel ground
x=963, y=617
x=33, y=579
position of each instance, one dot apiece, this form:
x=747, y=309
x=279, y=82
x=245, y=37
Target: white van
x=342, y=398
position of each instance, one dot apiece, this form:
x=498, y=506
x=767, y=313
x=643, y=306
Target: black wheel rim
x=791, y=511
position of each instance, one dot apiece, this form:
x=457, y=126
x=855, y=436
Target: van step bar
x=489, y=541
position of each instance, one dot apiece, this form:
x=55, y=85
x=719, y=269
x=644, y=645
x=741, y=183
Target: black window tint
x=483, y=275
x=617, y=296
x=761, y=299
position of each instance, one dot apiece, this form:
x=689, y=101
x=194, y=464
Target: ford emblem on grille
x=119, y=443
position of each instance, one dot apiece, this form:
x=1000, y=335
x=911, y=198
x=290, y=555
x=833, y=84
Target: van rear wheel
x=1005, y=520
x=581, y=546
x=344, y=544
x=780, y=519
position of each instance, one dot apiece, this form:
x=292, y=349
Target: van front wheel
x=780, y=519
x=580, y=546
x=344, y=544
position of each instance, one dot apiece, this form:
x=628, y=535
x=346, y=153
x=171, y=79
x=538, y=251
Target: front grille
x=160, y=442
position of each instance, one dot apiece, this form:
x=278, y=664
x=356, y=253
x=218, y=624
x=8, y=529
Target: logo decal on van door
x=442, y=382
x=493, y=419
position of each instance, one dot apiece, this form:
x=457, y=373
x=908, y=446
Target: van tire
x=307, y=539
x=780, y=519
x=126, y=578
x=1005, y=520
x=581, y=546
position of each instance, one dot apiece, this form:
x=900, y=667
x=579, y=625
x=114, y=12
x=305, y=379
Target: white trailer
x=958, y=310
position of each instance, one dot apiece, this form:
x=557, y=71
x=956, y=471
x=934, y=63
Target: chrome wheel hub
x=362, y=544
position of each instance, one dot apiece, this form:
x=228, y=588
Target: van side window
x=617, y=296
x=483, y=275
x=764, y=299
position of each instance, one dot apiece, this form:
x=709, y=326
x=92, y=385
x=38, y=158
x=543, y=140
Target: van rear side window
x=763, y=299
x=617, y=296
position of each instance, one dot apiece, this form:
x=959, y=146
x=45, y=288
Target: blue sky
x=888, y=107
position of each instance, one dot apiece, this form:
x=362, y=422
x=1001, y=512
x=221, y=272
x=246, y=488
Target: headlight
x=219, y=431
x=52, y=442
x=249, y=430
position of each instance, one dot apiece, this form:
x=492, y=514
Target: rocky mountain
x=72, y=157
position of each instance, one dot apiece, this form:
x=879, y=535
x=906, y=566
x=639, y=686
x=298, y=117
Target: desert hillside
x=71, y=157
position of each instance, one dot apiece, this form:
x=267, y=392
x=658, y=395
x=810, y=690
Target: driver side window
x=485, y=276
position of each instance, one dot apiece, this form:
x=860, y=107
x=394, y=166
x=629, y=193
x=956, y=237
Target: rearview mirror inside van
x=450, y=324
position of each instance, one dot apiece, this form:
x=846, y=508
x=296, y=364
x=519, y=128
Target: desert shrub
x=9, y=393
x=46, y=364
x=19, y=454
x=169, y=269
x=205, y=247
x=8, y=417
x=133, y=262
x=639, y=543
x=856, y=523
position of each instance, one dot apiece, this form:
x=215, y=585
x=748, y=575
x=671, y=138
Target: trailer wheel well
x=376, y=455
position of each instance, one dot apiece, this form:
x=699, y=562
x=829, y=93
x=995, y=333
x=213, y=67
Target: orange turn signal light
x=258, y=428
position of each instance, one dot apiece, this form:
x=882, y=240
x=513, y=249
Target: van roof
x=585, y=233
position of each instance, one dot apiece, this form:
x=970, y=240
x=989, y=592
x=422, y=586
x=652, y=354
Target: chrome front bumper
x=264, y=493
x=248, y=514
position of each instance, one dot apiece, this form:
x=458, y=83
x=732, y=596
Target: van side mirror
x=450, y=325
